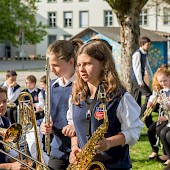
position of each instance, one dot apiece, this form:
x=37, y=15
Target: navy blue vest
x=143, y=63
x=34, y=95
x=119, y=155
x=6, y=125
x=58, y=109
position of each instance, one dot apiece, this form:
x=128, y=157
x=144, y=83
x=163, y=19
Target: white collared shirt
x=128, y=112
x=12, y=96
x=136, y=63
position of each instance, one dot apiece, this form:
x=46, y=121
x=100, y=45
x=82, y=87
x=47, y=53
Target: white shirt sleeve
x=152, y=97
x=13, y=96
x=136, y=64
x=69, y=112
x=128, y=112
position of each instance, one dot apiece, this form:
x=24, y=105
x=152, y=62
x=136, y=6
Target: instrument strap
x=88, y=118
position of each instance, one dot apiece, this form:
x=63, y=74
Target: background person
x=13, y=91
x=6, y=162
x=140, y=67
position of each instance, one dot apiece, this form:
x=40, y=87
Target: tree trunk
x=129, y=33
x=127, y=12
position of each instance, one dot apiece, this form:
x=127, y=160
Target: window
x=84, y=19
x=51, y=0
x=83, y=0
x=67, y=37
x=52, y=19
x=166, y=16
x=51, y=39
x=143, y=20
x=108, y=18
x=68, y=19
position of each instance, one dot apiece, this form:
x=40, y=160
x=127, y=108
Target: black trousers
x=137, y=93
x=57, y=164
x=165, y=139
x=152, y=137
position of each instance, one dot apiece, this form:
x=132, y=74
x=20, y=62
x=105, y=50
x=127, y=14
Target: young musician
x=160, y=82
x=13, y=91
x=36, y=94
x=61, y=56
x=6, y=162
x=95, y=66
x=141, y=67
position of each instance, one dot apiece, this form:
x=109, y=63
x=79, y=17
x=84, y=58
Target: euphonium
x=88, y=152
x=24, y=122
x=47, y=106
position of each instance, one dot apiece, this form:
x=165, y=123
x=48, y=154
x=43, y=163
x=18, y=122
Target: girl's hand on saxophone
x=46, y=128
x=103, y=145
x=74, y=151
x=149, y=104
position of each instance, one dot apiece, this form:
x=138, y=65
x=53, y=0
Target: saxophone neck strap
x=89, y=112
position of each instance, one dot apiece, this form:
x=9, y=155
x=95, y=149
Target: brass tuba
x=28, y=121
x=88, y=152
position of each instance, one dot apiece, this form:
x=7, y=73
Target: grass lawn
x=141, y=150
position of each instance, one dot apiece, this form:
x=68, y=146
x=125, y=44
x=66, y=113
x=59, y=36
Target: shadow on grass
x=143, y=137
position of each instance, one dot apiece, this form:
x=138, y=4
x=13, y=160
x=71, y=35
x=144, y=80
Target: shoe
x=153, y=156
x=162, y=158
x=166, y=163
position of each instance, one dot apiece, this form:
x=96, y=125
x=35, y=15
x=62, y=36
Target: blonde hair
x=109, y=76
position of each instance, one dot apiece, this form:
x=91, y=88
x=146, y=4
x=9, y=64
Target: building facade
x=66, y=18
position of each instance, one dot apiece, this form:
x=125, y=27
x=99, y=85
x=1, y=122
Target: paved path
x=36, y=68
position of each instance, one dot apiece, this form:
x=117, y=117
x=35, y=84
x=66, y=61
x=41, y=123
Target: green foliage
x=17, y=17
x=141, y=150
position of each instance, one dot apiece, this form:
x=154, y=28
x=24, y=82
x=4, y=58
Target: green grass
x=141, y=150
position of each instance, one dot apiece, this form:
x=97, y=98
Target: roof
x=114, y=33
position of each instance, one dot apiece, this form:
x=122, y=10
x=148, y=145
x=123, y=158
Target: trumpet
x=149, y=110
x=11, y=105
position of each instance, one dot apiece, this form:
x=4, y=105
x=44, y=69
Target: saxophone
x=88, y=152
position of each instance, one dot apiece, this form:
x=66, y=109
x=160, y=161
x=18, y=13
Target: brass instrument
x=47, y=106
x=88, y=152
x=28, y=121
x=149, y=110
x=11, y=105
x=165, y=106
x=11, y=135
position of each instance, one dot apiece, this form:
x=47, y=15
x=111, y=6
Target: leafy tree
x=17, y=16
